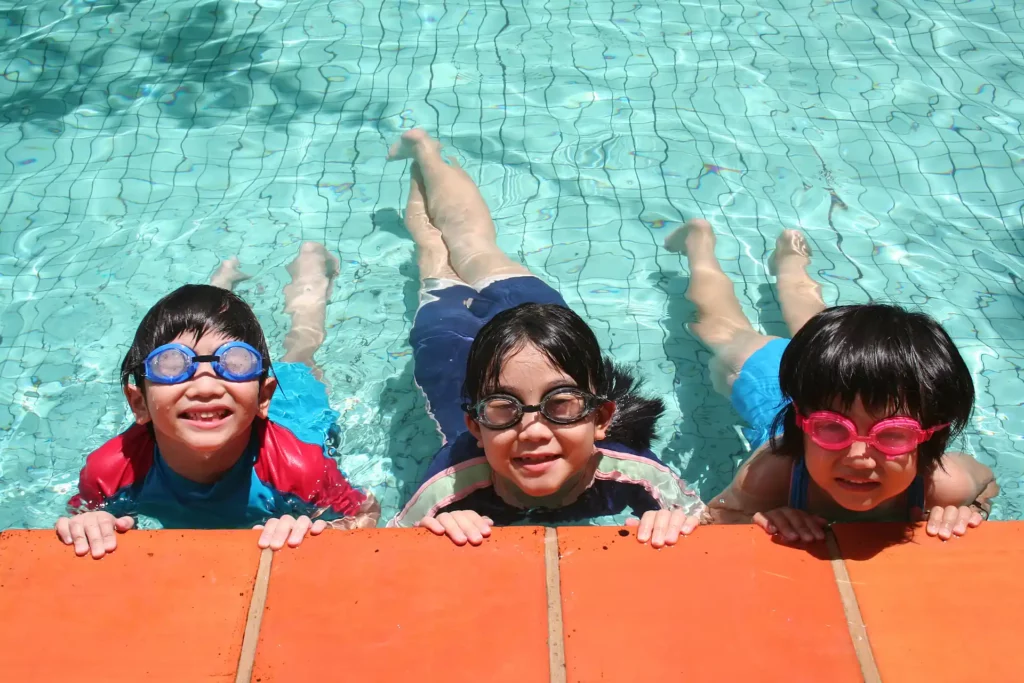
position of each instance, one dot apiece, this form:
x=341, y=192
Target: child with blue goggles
x=209, y=448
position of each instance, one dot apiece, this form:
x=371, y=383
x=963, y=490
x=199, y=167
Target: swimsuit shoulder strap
x=798, y=485
x=915, y=495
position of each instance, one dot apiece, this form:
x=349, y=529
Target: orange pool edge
x=387, y=605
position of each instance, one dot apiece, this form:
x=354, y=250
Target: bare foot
x=791, y=246
x=227, y=274
x=411, y=143
x=312, y=264
x=695, y=233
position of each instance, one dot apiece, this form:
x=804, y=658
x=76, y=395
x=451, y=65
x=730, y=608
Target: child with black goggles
x=849, y=419
x=210, y=447
x=537, y=425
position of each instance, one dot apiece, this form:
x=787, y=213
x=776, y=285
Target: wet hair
x=571, y=346
x=199, y=310
x=896, y=361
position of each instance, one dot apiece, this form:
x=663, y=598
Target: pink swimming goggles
x=893, y=436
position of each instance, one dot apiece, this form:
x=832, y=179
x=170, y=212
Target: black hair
x=196, y=309
x=569, y=343
x=896, y=361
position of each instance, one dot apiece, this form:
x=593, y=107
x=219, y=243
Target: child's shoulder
x=121, y=461
x=956, y=480
x=284, y=455
x=766, y=475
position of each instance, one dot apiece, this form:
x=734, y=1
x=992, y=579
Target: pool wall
x=874, y=602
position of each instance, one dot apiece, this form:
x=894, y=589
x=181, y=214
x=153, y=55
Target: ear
x=266, y=393
x=474, y=429
x=137, y=402
x=603, y=420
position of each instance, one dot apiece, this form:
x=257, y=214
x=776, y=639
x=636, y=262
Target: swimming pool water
x=143, y=141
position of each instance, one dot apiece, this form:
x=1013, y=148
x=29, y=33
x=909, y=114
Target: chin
x=536, y=489
x=856, y=504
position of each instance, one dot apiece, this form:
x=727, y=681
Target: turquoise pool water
x=143, y=141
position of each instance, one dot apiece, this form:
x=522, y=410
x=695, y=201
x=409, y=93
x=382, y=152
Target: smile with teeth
x=206, y=415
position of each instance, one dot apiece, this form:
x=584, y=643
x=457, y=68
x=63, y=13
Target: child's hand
x=287, y=529
x=792, y=525
x=949, y=521
x=92, y=531
x=460, y=526
x=663, y=527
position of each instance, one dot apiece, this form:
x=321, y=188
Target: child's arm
x=106, y=481
x=959, y=495
x=762, y=483
x=760, y=495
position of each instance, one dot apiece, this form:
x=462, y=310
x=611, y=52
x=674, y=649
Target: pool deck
x=530, y=604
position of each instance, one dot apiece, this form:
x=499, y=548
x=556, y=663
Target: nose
x=860, y=455
x=534, y=428
x=204, y=383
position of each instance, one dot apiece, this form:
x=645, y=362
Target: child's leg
x=431, y=252
x=313, y=272
x=721, y=324
x=457, y=209
x=227, y=274
x=799, y=295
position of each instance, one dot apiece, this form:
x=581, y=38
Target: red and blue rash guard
x=277, y=474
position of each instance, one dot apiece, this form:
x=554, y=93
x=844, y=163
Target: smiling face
x=859, y=478
x=202, y=425
x=538, y=457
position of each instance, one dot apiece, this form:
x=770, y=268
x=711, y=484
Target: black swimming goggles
x=563, y=406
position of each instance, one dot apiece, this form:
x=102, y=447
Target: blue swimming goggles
x=235, y=361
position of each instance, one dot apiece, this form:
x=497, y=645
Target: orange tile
x=940, y=611
x=396, y=605
x=725, y=604
x=165, y=606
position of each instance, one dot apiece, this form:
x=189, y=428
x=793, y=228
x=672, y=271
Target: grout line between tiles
x=247, y=658
x=854, y=619
x=556, y=632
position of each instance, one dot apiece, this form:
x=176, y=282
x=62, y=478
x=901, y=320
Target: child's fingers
x=942, y=520
x=467, y=521
x=799, y=529
x=106, y=524
x=452, y=528
x=433, y=525
x=963, y=519
x=632, y=522
x=299, y=530
x=645, y=531
x=689, y=524
x=268, y=533
x=285, y=524
x=761, y=520
x=63, y=528
x=78, y=537
x=676, y=520
x=483, y=525
x=976, y=519
x=94, y=535
x=660, y=530
x=934, y=521
x=123, y=524
x=317, y=527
